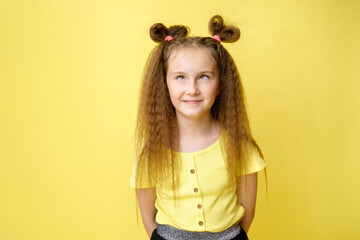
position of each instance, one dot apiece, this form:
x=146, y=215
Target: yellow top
x=206, y=201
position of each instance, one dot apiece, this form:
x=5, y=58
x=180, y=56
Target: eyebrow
x=179, y=72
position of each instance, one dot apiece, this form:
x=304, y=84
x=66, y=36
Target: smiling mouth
x=192, y=101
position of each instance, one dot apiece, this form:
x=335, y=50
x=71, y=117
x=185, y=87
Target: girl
x=196, y=162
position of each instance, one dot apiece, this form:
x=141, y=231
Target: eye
x=204, y=77
x=180, y=77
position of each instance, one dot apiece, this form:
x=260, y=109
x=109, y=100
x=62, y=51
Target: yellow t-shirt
x=205, y=201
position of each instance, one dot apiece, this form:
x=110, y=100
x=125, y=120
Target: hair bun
x=226, y=33
x=158, y=32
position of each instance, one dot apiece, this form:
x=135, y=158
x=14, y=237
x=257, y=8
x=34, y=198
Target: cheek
x=173, y=92
x=213, y=90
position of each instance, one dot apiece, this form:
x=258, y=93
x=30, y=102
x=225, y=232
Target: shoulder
x=254, y=162
x=139, y=175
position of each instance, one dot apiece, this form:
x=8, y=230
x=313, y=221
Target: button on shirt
x=206, y=201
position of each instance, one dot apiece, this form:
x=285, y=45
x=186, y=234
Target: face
x=192, y=79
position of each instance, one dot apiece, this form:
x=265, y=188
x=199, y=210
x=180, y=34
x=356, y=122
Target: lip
x=192, y=101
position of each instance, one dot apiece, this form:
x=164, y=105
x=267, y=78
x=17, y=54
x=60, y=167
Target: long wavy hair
x=156, y=129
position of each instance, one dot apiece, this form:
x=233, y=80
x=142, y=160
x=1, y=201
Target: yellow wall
x=69, y=78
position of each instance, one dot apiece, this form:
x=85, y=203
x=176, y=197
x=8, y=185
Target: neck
x=194, y=127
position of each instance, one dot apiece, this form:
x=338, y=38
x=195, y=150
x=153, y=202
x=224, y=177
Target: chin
x=193, y=115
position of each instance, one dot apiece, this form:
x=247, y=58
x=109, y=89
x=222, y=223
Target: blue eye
x=204, y=77
x=180, y=77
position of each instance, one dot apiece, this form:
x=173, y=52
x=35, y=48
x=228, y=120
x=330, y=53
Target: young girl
x=196, y=162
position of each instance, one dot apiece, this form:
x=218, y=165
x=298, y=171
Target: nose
x=192, y=89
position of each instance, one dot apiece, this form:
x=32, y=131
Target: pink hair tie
x=169, y=38
x=216, y=37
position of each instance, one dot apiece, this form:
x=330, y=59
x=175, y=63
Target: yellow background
x=69, y=79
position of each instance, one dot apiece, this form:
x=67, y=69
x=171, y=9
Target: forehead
x=191, y=56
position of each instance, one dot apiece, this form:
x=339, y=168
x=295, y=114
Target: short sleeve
x=253, y=164
x=143, y=181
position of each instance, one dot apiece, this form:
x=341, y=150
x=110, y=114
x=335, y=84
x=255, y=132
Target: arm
x=147, y=198
x=246, y=192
